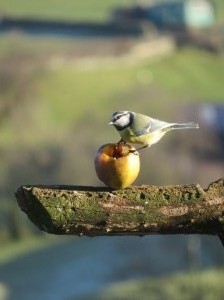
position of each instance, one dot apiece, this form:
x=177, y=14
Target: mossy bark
x=138, y=210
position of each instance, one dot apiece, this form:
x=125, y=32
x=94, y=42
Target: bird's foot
x=134, y=151
x=121, y=142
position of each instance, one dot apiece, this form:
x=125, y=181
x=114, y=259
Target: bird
x=140, y=129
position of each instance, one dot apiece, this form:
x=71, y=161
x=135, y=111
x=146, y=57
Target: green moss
x=64, y=210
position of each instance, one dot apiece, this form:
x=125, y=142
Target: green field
x=66, y=9
x=63, y=93
x=206, y=285
x=74, y=10
x=45, y=86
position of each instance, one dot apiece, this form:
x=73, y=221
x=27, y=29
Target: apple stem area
x=137, y=210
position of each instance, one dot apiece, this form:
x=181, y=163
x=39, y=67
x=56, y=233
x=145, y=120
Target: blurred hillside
x=204, y=285
x=77, y=10
x=55, y=9
x=57, y=95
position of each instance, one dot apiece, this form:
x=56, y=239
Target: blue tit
x=140, y=129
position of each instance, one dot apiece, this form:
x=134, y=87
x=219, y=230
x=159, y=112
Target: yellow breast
x=145, y=139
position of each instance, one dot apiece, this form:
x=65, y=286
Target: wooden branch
x=138, y=210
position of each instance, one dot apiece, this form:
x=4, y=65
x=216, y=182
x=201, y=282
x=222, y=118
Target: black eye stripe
x=119, y=116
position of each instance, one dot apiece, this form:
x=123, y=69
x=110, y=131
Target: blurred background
x=65, y=67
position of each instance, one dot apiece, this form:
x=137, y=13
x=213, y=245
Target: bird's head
x=122, y=119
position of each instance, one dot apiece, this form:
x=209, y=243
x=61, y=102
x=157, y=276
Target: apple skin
x=116, y=166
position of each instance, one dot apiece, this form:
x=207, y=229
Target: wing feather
x=144, y=125
x=141, y=124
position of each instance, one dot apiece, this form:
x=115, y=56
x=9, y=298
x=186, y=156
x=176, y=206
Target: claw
x=121, y=141
x=133, y=151
x=143, y=147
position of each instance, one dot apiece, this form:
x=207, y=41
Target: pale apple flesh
x=117, y=165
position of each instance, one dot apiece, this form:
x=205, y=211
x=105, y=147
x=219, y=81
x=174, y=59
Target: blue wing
x=144, y=125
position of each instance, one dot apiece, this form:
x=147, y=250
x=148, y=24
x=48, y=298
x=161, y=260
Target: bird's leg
x=121, y=141
x=143, y=147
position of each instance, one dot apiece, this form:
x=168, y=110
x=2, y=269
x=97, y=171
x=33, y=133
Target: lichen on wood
x=137, y=210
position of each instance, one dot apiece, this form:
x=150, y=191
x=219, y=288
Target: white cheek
x=124, y=120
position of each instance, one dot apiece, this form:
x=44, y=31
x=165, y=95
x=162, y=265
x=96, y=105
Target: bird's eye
x=117, y=118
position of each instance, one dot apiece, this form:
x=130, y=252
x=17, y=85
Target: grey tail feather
x=190, y=125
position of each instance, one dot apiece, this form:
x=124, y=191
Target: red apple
x=117, y=165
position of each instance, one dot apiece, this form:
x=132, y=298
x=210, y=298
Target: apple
x=117, y=165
